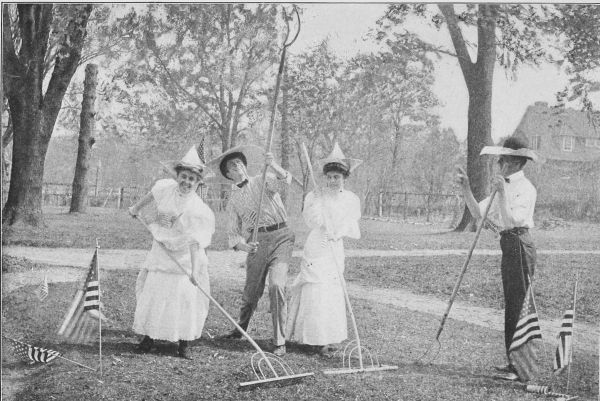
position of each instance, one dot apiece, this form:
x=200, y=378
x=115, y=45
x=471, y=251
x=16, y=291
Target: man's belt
x=274, y=227
x=515, y=231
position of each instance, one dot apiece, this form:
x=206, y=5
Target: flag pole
x=99, y=307
x=572, y=332
x=77, y=363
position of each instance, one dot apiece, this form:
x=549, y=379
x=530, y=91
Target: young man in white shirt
x=512, y=212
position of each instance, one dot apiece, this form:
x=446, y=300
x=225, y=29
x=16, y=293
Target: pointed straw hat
x=337, y=156
x=191, y=161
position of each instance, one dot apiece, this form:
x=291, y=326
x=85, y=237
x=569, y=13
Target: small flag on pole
x=83, y=315
x=42, y=289
x=564, y=349
x=32, y=354
x=524, y=349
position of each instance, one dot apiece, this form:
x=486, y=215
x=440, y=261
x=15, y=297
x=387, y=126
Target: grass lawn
x=116, y=229
x=460, y=371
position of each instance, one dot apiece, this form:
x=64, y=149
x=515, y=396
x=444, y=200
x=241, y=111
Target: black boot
x=145, y=345
x=182, y=350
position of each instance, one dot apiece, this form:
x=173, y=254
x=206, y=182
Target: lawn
x=115, y=229
x=460, y=371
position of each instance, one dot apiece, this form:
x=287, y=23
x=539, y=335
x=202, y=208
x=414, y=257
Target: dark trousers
x=518, y=265
x=272, y=257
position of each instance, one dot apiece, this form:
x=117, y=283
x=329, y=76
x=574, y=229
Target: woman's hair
x=336, y=167
x=194, y=170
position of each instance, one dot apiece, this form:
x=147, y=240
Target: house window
x=535, y=142
x=567, y=145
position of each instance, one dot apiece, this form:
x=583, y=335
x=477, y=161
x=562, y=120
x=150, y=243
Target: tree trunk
x=86, y=140
x=33, y=114
x=479, y=78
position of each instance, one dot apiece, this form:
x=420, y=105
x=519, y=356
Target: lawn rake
x=434, y=348
x=364, y=361
x=268, y=368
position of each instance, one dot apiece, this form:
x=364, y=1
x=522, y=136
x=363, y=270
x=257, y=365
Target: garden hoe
x=364, y=359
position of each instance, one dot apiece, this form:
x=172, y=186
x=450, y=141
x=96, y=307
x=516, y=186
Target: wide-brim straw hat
x=252, y=156
x=513, y=146
x=191, y=161
x=337, y=156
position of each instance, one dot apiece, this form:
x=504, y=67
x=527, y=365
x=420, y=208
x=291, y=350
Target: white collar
x=516, y=176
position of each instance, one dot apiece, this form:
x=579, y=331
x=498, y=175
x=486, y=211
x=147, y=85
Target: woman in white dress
x=317, y=313
x=169, y=306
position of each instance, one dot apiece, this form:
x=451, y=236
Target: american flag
x=201, y=151
x=564, y=349
x=32, y=354
x=524, y=349
x=82, y=317
x=42, y=289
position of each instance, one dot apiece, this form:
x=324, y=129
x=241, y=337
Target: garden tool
x=436, y=340
x=287, y=43
x=354, y=349
x=268, y=368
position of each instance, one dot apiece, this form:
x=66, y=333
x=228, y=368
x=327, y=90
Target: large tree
x=508, y=34
x=208, y=59
x=33, y=111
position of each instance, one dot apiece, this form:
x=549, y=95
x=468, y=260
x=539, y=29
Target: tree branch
x=460, y=46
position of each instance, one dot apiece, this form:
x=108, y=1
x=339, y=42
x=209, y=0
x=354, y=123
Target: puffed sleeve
x=162, y=188
x=312, y=211
x=198, y=223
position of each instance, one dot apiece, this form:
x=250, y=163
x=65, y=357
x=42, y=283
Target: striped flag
x=201, y=151
x=32, y=354
x=82, y=317
x=42, y=290
x=525, y=347
x=564, y=349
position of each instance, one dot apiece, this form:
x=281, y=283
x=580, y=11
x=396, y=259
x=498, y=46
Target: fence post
x=428, y=206
x=120, y=201
x=405, y=206
x=380, y=206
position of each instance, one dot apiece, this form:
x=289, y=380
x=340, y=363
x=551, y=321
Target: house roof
x=552, y=124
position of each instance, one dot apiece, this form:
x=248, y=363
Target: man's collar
x=514, y=177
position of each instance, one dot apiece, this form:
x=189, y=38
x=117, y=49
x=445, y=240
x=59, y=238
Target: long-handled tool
x=436, y=340
x=286, y=43
x=263, y=363
x=353, y=349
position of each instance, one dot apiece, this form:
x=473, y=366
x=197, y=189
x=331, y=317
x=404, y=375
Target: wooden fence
x=411, y=206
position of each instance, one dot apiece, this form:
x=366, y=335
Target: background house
x=568, y=182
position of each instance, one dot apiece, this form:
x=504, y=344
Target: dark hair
x=234, y=155
x=516, y=143
x=181, y=167
x=336, y=167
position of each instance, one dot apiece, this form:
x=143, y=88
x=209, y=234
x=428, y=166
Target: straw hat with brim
x=191, y=161
x=337, y=156
x=512, y=147
x=252, y=156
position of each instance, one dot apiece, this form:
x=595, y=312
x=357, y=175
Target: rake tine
x=424, y=357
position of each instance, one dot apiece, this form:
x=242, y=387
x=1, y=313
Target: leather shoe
x=279, y=350
x=182, y=350
x=234, y=334
x=508, y=376
x=506, y=368
x=145, y=345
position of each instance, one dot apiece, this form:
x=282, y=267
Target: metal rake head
x=268, y=365
x=351, y=351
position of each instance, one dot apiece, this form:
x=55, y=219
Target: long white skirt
x=317, y=314
x=169, y=307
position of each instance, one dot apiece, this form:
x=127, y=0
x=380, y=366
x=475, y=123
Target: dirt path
x=225, y=265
